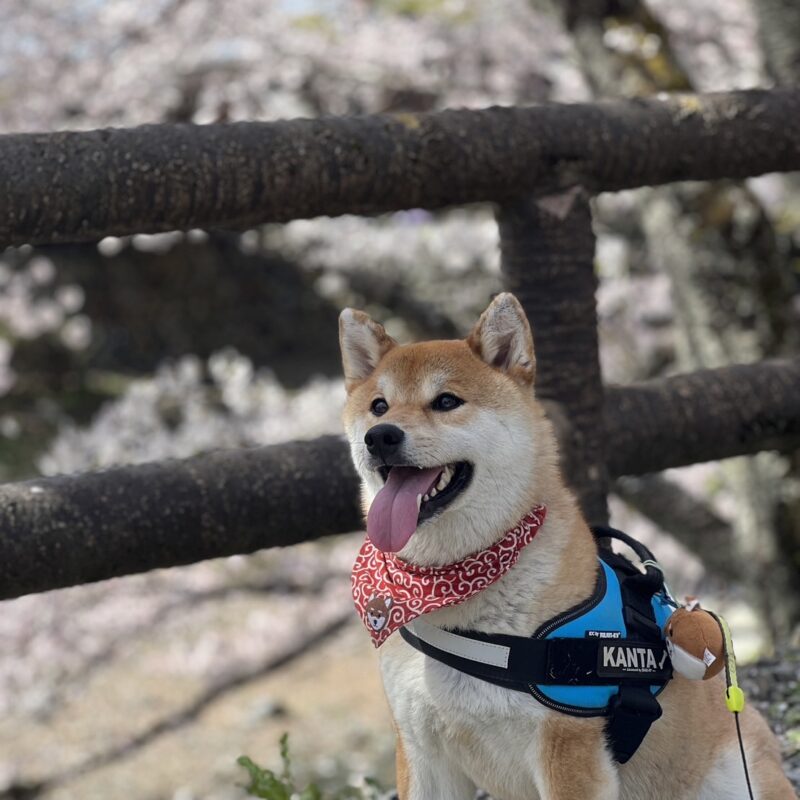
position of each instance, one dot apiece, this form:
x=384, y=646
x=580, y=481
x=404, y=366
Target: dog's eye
x=379, y=407
x=446, y=402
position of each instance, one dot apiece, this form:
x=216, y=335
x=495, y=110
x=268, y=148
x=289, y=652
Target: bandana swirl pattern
x=390, y=593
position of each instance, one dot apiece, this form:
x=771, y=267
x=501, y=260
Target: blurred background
x=159, y=346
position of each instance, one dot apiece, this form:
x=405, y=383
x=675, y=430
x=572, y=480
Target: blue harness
x=604, y=657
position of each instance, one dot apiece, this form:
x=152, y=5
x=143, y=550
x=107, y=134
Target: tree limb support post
x=547, y=261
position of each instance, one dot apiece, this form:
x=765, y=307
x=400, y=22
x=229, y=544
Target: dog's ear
x=502, y=338
x=363, y=343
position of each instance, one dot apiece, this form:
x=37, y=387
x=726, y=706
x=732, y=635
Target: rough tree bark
x=78, y=529
x=66, y=187
x=66, y=530
x=680, y=420
x=547, y=260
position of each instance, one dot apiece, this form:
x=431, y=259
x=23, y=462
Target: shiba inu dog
x=453, y=450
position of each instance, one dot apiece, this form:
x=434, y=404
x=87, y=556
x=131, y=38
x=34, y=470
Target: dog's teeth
x=425, y=498
x=433, y=492
x=419, y=501
x=444, y=478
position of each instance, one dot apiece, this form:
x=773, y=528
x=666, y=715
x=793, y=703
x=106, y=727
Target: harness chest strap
x=516, y=661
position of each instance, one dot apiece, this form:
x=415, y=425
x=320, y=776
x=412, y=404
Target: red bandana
x=390, y=593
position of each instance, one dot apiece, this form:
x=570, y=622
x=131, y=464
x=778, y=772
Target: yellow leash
x=734, y=696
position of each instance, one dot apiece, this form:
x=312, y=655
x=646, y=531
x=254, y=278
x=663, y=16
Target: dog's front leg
x=424, y=773
x=572, y=762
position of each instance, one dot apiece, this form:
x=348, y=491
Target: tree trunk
x=547, y=260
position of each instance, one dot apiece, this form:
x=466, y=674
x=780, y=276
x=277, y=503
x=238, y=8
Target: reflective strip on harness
x=495, y=655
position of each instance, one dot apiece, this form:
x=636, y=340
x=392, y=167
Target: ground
x=157, y=683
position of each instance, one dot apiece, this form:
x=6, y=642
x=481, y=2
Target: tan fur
x=456, y=732
x=573, y=742
x=401, y=768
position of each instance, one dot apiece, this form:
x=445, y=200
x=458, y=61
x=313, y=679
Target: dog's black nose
x=384, y=440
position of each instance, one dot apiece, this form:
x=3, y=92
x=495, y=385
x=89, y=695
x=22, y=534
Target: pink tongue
x=392, y=517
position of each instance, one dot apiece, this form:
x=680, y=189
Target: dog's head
x=443, y=433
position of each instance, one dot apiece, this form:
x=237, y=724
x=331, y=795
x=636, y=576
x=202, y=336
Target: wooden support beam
x=73, y=529
x=82, y=186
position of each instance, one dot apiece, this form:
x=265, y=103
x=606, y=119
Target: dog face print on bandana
x=389, y=592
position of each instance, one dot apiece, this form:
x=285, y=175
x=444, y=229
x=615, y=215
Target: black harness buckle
x=630, y=714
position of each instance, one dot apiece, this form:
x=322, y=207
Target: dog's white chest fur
x=461, y=727
x=461, y=724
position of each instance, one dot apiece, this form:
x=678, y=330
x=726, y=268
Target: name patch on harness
x=626, y=660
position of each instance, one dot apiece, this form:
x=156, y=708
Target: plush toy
x=695, y=642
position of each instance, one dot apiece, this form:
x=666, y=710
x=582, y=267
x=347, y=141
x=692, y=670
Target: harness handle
x=653, y=577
